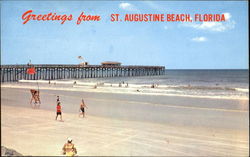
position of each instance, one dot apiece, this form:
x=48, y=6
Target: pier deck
x=12, y=73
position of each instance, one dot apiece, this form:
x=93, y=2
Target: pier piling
x=12, y=73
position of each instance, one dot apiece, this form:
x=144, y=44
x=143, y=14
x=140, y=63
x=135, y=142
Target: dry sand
x=35, y=131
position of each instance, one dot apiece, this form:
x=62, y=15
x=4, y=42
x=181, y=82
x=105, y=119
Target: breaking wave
x=143, y=89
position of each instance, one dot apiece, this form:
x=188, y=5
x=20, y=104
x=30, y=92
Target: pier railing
x=12, y=73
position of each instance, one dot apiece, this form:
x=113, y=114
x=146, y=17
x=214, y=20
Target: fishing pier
x=13, y=73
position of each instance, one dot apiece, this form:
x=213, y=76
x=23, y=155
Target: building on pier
x=110, y=63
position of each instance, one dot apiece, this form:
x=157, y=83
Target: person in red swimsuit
x=58, y=110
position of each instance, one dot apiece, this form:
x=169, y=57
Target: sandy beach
x=159, y=78
x=125, y=124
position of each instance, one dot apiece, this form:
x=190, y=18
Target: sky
x=175, y=45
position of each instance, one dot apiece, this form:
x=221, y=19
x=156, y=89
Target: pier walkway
x=12, y=73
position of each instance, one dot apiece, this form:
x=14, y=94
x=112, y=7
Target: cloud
x=199, y=39
x=213, y=26
x=127, y=6
x=227, y=16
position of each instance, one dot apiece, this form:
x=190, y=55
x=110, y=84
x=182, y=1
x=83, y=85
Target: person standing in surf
x=82, y=109
x=59, y=110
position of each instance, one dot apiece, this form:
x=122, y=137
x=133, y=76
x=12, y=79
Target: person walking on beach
x=82, y=107
x=57, y=99
x=69, y=148
x=59, y=110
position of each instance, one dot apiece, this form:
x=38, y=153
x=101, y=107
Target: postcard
x=124, y=78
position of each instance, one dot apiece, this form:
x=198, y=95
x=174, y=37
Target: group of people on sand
x=68, y=148
x=59, y=108
x=35, y=98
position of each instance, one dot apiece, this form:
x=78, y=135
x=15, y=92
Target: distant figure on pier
x=59, y=111
x=74, y=82
x=35, y=97
x=127, y=85
x=120, y=85
x=82, y=109
x=69, y=148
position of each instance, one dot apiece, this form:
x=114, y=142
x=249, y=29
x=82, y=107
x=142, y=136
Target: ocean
x=203, y=83
x=225, y=84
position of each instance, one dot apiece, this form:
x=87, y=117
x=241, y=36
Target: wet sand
x=123, y=124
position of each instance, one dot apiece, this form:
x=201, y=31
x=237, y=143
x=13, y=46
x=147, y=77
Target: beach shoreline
x=157, y=86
